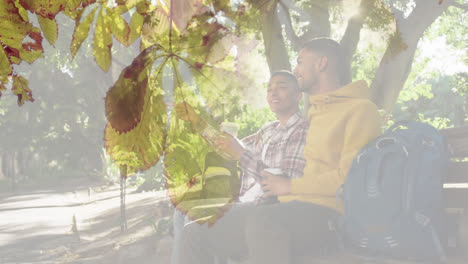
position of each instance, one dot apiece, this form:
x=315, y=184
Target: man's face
x=282, y=95
x=307, y=70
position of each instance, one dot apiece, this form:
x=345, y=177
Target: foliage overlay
x=194, y=51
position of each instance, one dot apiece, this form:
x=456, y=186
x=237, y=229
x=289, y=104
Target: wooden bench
x=456, y=192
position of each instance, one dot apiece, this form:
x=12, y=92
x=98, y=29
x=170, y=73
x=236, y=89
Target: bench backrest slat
x=457, y=141
x=458, y=173
x=456, y=198
x=456, y=190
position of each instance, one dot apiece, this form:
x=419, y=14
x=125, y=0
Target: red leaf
x=125, y=100
x=36, y=45
x=206, y=39
x=12, y=52
x=198, y=65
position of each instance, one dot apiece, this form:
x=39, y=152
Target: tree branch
x=396, y=63
x=316, y=14
x=285, y=19
x=275, y=48
x=458, y=5
x=351, y=37
x=319, y=24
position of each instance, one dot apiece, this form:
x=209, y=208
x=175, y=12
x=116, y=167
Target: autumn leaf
x=125, y=100
x=20, y=88
x=13, y=28
x=5, y=67
x=81, y=32
x=75, y=8
x=183, y=11
x=20, y=39
x=208, y=44
x=49, y=28
x=141, y=147
x=219, y=49
x=44, y=8
x=102, y=41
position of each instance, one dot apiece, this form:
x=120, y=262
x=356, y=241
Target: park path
x=37, y=227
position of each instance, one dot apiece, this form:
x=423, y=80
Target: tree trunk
x=2, y=176
x=123, y=190
x=396, y=63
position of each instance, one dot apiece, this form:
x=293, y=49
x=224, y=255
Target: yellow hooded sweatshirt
x=341, y=123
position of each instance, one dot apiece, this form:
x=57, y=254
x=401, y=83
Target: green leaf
x=155, y=24
x=119, y=27
x=5, y=67
x=22, y=12
x=81, y=32
x=135, y=27
x=21, y=89
x=49, y=28
x=102, y=41
x=125, y=5
x=30, y=56
x=125, y=100
x=184, y=162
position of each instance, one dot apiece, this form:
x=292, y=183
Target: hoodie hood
x=357, y=90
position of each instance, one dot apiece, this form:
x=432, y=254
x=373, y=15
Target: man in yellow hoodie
x=342, y=120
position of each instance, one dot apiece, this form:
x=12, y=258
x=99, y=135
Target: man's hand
x=229, y=145
x=185, y=112
x=275, y=185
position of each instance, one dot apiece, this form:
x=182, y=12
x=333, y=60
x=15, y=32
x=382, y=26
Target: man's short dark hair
x=334, y=52
x=289, y=75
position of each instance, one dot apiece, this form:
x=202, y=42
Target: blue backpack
x=393, y=194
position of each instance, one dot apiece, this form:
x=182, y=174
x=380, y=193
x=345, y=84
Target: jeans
x=264, y=234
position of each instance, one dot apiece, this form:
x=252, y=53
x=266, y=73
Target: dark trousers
x=264, y=234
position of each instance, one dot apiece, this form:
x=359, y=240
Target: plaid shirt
x=284, y=149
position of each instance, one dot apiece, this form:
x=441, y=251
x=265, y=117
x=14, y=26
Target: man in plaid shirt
x=278, y=144
x=275, y=145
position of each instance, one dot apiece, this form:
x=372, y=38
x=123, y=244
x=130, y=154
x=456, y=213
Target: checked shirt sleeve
x=293, y=162
x=250, y=161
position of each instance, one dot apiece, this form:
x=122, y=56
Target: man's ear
x=322, y=63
